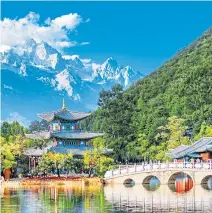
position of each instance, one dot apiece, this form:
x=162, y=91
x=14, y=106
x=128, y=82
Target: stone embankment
x=53, y=181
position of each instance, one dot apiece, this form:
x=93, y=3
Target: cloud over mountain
x=36, y=67
x=16, y=32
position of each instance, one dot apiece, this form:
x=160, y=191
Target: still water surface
x=117, y=198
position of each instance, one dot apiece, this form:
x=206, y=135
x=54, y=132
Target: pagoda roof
x=37, y=151
x=39, y=135
x=74, y=151
x=77, y=135
x=62, y=150
x=34, y=152
x=64, y=135
x=202, y=145
x=77, y=151
x=64, y=114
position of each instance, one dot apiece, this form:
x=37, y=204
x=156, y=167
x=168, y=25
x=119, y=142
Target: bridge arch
x=172, y=178
x=205, y=179
x=148, y=178
x=129, y=181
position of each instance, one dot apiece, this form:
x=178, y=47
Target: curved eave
x=39, y=135
x=69, y=116
x=70, y=119
x=45, y=117
x=34, y=152
x=81, y=135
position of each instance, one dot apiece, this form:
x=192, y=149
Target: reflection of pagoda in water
x=64, y=134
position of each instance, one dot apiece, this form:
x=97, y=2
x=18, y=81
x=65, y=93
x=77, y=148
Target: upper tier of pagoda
x=63, y=114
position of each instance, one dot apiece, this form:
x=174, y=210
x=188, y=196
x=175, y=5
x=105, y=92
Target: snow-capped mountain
x=38, y=72
x=111, y=72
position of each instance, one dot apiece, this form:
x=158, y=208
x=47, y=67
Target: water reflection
x=111, y=198
x=207, y=184
x=129, y=183
x=163, y=199
x=181, y=183
x=153, y=184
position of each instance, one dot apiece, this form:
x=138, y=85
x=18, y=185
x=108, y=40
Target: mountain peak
x=110, y=64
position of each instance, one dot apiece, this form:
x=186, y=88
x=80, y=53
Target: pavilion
x=201, y=149
x=64, y=134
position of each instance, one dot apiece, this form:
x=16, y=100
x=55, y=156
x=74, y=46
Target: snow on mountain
x=111, y=72
x=40, y=70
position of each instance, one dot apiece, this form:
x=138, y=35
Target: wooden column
x=34, y=163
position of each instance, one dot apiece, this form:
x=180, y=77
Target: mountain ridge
x=59, y=75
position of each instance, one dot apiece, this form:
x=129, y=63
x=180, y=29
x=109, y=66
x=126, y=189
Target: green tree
x=11, y=129
x=180, y=87
x=205, y=131
x=94, y=160
x=40, y=143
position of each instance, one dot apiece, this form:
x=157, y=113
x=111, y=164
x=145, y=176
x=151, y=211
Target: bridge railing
x=130, y=169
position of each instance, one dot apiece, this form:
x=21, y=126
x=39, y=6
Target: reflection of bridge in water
x=165, y=172
x=139, y=199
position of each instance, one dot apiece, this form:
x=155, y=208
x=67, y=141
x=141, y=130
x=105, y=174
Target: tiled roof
x=179, y=149
x=77, y=135
x=77, y=151
x=64, y=114
x=202, y=145
x=64, y=135
x=74, y=151
x=62, y=150
x=39, y=135
x=34, y=152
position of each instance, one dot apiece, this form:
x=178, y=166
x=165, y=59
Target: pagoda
x=64, y=134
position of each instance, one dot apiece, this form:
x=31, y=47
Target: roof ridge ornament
x=64, y=106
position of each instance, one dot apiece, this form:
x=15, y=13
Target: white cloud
x=86, y=60
x=4, y=48
x=70, y=57
x=15, y=116
x=15, y=32
x=64, y=44
x=69, y=21
x=87, y=20
x=84, y=43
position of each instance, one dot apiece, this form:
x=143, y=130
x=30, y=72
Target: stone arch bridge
x=165, y=172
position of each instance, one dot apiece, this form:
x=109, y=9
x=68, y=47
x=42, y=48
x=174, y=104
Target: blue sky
x=140, y=34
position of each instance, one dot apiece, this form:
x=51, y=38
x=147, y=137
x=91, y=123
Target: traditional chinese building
x=201, y=149
x=64, y=134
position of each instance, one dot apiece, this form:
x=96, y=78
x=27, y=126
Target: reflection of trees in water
x=102, y=200
x=55, y=199
x=11, y=200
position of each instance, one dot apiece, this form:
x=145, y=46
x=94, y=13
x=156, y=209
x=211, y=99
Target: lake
x=117, y=198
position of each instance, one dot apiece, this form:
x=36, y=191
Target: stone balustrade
x=168, y=166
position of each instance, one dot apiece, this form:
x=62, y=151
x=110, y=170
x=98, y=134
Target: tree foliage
x=37, y=126
x=12, y=129
x=96, y=159
x=172, y=105
x=11, y=150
